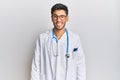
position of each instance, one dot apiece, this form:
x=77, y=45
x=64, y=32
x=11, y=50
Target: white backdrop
x=96, y=21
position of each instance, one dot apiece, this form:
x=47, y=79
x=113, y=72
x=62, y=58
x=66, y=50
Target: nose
x=58, y=18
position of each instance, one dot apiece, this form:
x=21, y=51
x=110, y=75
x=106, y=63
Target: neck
x=59, y=33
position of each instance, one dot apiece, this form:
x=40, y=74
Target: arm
x=81, y=68
x=35, y=69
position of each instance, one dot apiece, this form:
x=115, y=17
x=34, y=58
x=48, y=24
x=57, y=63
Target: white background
x=96, y=21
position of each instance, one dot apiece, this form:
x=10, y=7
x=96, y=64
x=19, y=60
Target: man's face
x=59, y=19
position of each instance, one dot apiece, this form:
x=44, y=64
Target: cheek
x=54, y=22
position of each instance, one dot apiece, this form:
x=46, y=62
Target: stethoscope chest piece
x=67, y=55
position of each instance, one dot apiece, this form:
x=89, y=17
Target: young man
x=58, y=54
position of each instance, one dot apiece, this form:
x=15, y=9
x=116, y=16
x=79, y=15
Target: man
x=58, y=54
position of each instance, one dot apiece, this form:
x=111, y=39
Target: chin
x=59, y=28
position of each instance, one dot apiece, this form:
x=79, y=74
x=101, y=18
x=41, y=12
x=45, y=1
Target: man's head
x=59, y=15
x=59, y=6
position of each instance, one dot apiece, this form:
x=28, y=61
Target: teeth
x=59, y=24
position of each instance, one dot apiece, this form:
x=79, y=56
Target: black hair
x=59, y=6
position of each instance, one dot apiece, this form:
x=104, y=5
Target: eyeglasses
x=62, y=17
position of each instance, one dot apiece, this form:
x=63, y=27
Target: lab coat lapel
x=50, y=53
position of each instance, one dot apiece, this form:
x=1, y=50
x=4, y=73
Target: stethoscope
x=67, y=55
x=67, y=46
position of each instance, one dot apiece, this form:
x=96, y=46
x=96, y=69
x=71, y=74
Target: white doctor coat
x=49, y=62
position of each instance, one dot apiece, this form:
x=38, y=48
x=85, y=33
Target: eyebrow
x=59, y=15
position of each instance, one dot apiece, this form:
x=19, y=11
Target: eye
x=54, y=16
x=62, y=16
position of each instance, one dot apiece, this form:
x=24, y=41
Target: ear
x=67, y=18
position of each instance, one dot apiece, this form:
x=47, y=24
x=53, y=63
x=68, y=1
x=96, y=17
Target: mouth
x=59, y=24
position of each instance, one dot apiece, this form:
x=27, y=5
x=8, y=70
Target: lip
x=59, y=24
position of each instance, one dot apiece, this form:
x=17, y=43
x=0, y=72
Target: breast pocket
x=72, y=58
x=74, y=53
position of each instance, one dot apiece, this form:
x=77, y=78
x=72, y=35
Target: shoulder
x=44, y=35
x=73, y=35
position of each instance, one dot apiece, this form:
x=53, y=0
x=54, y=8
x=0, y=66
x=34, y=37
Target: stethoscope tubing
x=67, y=46
x=67, y=50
